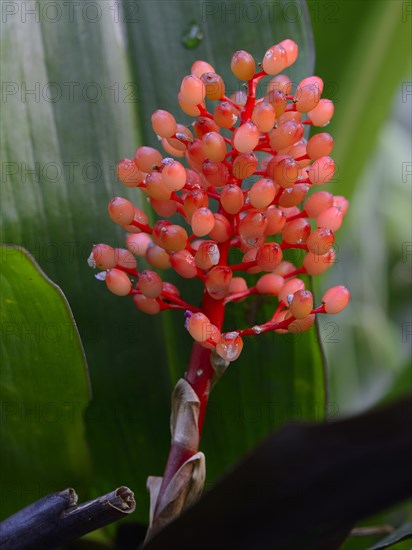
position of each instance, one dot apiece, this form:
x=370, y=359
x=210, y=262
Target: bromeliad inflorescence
x=247, y=186
x=244, y=197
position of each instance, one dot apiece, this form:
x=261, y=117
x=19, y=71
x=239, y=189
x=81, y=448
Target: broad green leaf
x=96, y=74
x=363, y=54
x=44, y=387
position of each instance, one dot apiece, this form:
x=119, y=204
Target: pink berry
x=124, y=258
x=281, y=83
x=150, y=284
x=102, y=256
x=315, y=264
x=200, y=328
x=163, y=123
x=246, y=137
x=193, y=90
x=121, y=211
x=322, y=170
x=157, y=257
x=244, y=165
x=332, y=218
x=275, y=60
x=194, y=200
x=169, y=236
x=230, y=346
x=232, y=199
x=262, y=193
x=269, y=256
x=270, y=283
x=165, y=208
x=201, y=67
x=317, y=203
x=156, y=187
x=214, y=146
x=146, y=158
x=322, y=113
x=202, y=222
x=217, y=281
x=264, y=116
x=302, y=304
x=147, y=305
x=138, y=243
x=301, y=325
x=292, y=51
x=214, y=85
x=285, y=135
x=207, y=255
x=341, y=203
x=307, y=97
x=225, y=114
x=183, y=263
x=237, y=284
x=320, y=145
x=296, y=231
x=129, y=174
x=289, y=288
x=292, y=196
x=222, y=229
x=243, y=65
x=276, y=220
x=174, y=175
x=320, y=241
x=286, y=172
x=253, y=225
x=118, y=282
x=336, y=299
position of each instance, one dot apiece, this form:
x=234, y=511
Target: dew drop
x=199, y=372
x=91, y=261
x=192, y=36
x=257, y=329
x=101, y=276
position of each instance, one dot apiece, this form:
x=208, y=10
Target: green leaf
x=114, y=64
x=362, y=53
x=402, y=533
x=44, y=386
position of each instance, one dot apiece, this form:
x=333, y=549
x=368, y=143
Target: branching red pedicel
x=223, y=207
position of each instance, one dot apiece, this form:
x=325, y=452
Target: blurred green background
x=58, y=157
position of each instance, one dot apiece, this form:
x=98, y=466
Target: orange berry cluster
x=240, y=177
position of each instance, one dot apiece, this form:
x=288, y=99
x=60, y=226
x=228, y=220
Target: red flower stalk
x=247, y=187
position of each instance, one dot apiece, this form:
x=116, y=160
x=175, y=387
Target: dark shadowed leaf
x=402, y=533
x=304, y=486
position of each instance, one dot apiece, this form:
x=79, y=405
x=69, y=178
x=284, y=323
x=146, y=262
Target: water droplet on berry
x=230, y=346
x=192, y=36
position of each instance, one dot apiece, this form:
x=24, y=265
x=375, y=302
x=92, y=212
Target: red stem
x=199, y=375
x=143, y=227
x=251, y=98
x=240, y=295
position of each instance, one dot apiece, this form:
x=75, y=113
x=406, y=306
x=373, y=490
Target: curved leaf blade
x=44, y=385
